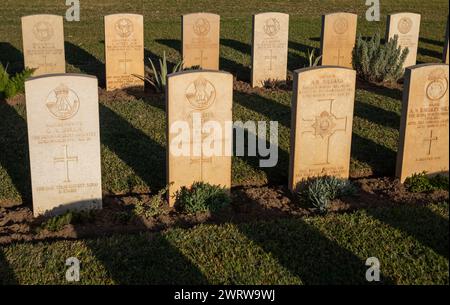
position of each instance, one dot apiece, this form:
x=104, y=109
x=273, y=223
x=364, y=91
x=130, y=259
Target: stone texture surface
x=201, y=40
x=124, y=51
x=338, y=39
x=269, y=47
x=424, y=124
x=407, y=27
x=207, y=95
x=64, y=142
x=321, y=128
x=43, y=44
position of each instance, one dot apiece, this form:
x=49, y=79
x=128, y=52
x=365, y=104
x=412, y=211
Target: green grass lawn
x=411, y=242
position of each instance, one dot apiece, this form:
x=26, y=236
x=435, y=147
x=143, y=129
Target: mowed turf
x=133, y=132
x=411, y=244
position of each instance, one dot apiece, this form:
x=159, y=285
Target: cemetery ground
x=266, y=236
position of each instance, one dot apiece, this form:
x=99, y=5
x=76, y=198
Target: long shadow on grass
x=306, y=252
x=439, y=43
x=145, y=259
x=14, y=149
x=7, y=276
x=427, y=227
x=271, y=109
x=430, y=53
x=11, y=57
x=238, y=70
x=85, y=61
x=380, y=158
x=377, y=115
x=297, y=62
x=392, y=93
x=145, y=156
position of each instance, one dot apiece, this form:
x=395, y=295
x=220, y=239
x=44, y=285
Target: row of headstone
x=43, y=44
x=64, y=142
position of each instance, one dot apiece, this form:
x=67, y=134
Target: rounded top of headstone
x=427, y=65
x=60, y=75
x=181, y=73
x=341, y=14
x=200, y=13
x=123, y=14
x=308, y=69
x=42, y=16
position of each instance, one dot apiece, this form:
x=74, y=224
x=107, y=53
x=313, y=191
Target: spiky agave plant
x=159, y=77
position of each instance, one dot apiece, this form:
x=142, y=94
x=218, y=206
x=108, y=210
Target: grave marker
x=269, y=47
x=322, y=117
x=407, y=27
x=43, y=44
x=424, y=124
x=64, y=142
x=195, y=98
x=201, y=40
x=124, y=51
x=338, y=39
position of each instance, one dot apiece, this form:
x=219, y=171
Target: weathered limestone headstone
x=196, y=100
x=407, y=27
x=446, y=45
x=43, y=44
x=269, y=47
x=322, y=117
x=124, y=48
x=64, y=142
x=201, y=40
x=338, y=39
x=424, y=124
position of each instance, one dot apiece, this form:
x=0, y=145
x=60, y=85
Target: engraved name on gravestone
x=201, y=40
x=322, y=117
x=269, y=47
x=338, y=39
x=424, y=124
x=196, y=98
x=407, y=27
x=64, y=142
x=124, y=48
x=43, y=44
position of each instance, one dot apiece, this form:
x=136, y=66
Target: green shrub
x=57, y=223
x=320, y=191
x=10, y=86
x=377, y=62
x=154, y=207
x=158, y=79
x=202, y=197
x=421, y=183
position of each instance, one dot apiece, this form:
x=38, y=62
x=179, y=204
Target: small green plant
x=313, y=60
x=202, y=197
x=10, y=86
x=154, y=207
x=57, y=223
x=320, y=191
x=422, y=183
x=158, y=79
x=377, y=62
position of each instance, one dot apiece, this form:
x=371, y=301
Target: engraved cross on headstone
x=322, y=127
x=430, y=141
x=125, y=62
x=270, y=58
x=66, y=159
x=339, y=57
x=201, y=58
